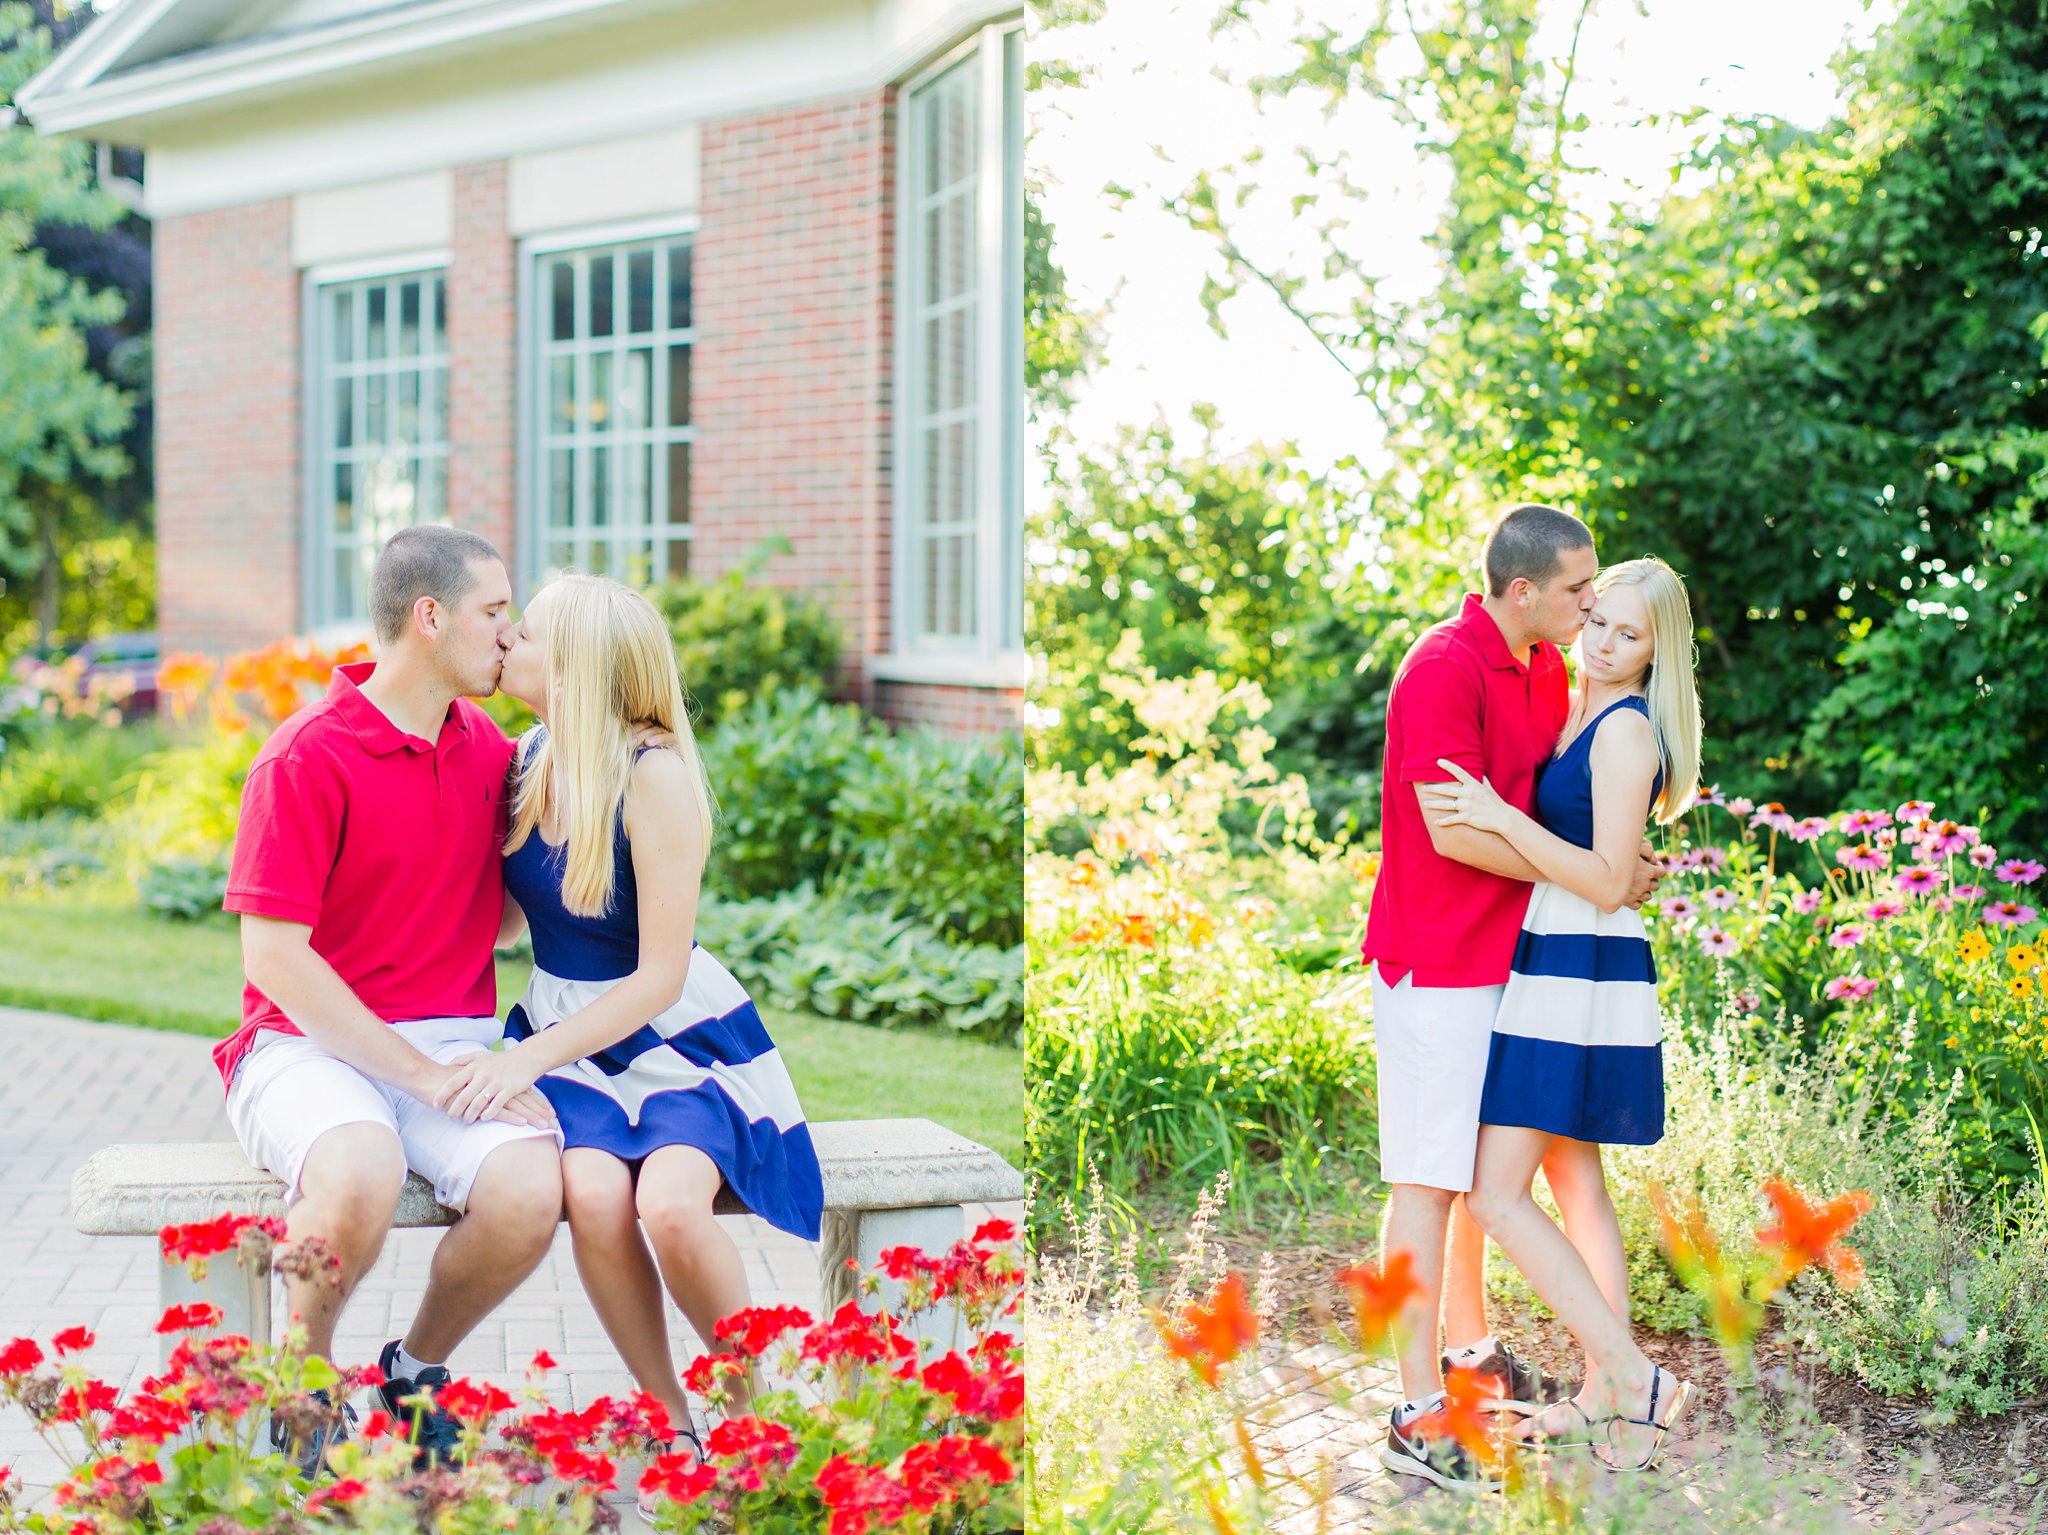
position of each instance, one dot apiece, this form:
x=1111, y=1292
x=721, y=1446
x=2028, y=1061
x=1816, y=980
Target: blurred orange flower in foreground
x=1809, y=1232
x=1212, y=1332
x=1378, y=1296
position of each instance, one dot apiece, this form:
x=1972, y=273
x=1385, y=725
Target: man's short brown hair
x=429, y=561
x=1528, y=542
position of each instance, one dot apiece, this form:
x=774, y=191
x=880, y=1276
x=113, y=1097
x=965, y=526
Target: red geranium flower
x=995, y=1232
x=752, y=1438
x=756, y=1329
x=189, y=1318
x=860, y=1495
x=471, y=1402
x=342, y=1492
x=72, y=1340
x=20, y=1356
x=678, y=1476
x=704, y=1372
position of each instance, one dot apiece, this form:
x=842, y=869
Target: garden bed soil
x=1998, y=1464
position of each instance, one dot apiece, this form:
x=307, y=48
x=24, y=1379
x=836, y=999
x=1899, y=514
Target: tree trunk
x=46, y=604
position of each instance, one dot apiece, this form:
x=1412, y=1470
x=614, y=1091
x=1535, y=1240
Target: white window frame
x=993, y=656
x=530, y=559
x=316, y=565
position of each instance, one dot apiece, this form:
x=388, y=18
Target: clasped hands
x=1474, y=802
x=494, y=1084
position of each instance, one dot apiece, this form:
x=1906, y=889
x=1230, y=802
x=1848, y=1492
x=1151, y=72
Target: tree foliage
x=60, y=420
x=1809, y=375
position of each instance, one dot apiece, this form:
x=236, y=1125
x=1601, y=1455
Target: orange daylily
x=1462, y=1418
x=1809, y=1232
x=1378, y=1296
x=1212, y=1332
x=1734, y=1315
x=1137, y=929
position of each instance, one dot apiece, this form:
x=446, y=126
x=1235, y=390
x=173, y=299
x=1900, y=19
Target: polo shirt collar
x=380, y=737
x=1486, y=636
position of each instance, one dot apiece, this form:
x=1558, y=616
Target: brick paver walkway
x=1319, y=1417
x=69, y=1087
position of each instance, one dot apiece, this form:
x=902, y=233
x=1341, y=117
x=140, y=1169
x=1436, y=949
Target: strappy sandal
x=1583, y=1437
x=1680, y=1400
x=689, y=1437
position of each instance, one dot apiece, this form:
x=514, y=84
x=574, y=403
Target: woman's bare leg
x=699, y=1261
x=619, y=1273
x=1618, y=1373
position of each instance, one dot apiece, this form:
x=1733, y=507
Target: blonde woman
x=666, y=1084
x=1576, y=1059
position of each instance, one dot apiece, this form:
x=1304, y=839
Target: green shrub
x=52, y=853
x=739, y=641
x=776, y=766
x=934, y=829
x=832, y=958
x=185, y=889
x=71, y=768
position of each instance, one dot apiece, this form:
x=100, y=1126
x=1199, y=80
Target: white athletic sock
x=1408, y=1412
x=1472, y=1353
x=408, y=1367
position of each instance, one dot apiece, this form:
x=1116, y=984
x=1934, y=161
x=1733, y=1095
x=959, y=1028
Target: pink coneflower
x=1688, y=860
x=1942, y=839
x=1863, y=858
x=1718, y=943
x=2008, y=913
x=1915, y=811
x=1741, y=807
x=1720, y=898
x=1918, y=881
x=1967, y=893
x=1715, y=858
x=1845, y=937
x=1944, y=904
x=2020, y=871
x=1772, y=815
x=1858, y=822
x=1853, y=988
x=1807, y=902
x=1809, y=828
x=1886, y=840
x=1983, y=855
x=1710, y=795
x=1881, y=911
x=1745, y=1002
x=1678, y=908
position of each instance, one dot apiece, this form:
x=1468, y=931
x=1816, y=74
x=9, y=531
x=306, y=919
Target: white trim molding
x=989, y=653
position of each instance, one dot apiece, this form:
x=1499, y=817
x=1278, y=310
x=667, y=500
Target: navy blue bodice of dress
x=1564, y=784
x=602, y=948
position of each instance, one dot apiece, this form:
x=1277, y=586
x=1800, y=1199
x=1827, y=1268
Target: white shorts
x=1432, y=1043
x=288, y=1092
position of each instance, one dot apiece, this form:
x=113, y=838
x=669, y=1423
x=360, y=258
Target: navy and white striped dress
x=704, y=1073
x=1578, y=1042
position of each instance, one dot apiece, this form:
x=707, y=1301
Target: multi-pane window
x=611, y=465
x=961, y=477
x=380, y=425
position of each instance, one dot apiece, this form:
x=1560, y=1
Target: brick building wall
x=792, y=282
x=951, y=711
x=483, y=358
x=227, y=428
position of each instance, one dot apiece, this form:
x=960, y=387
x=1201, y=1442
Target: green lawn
x=121, y=966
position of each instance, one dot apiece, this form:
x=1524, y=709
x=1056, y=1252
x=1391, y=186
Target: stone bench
x=888, y=1183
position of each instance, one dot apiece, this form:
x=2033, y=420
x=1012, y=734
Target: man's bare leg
x=348, y=1193
x=514, y=1207
x=1417, y=1220
x=1465, y=1320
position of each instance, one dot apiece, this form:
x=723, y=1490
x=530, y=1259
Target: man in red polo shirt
x=367, y=874
x=1487, y=690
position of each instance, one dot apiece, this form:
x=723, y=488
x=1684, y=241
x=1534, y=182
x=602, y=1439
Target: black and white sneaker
x=307, y=1431
x=1420, y=1448
x=435, y=1434
x=1512, y=1384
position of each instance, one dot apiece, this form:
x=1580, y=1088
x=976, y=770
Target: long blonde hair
x=610, y=666
x=1668, y=686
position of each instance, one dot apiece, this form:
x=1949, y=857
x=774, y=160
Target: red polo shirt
x=384, y=844
x=1461, y=695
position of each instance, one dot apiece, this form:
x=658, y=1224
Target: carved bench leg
x=243, y=1298
x=864, y=1234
